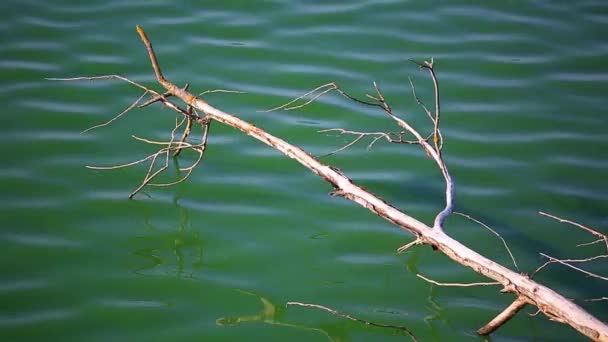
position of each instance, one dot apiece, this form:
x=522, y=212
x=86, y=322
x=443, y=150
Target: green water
x=524, y=89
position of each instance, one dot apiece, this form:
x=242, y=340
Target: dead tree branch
x=548, y=301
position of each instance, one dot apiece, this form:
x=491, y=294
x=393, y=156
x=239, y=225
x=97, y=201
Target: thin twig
x=114, y=167
x=184, y=136
x=133, y=105
x=592, y=243
x=103, y=77
x=596, y=299
x=436, y=130
x=392, y=137
x=200, y=148
x=535, y=313
x=148, y=178
x=494, y=232
x=347, y=316
x=169, y=144
x=456, y=284
x=287, y=106
x=420, y=103
x=566, y=262
x=222, y=91
x=408, y=245
x=361, y=136
x=596, y=233
x=139, y=85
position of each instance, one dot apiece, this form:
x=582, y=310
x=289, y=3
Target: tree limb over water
x=525, y=290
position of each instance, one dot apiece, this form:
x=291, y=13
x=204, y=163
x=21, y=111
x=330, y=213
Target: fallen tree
x=525, y=290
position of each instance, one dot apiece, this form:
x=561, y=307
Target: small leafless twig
x=592, y=243
x=103, y=77
x=436, y=131
x=596, y=299
x=200, y=148
x=567, y=262
x=437, y=138
x=392, y=137
x=361, y=136
x=602, y=237
x=324, y=89
x=535, y=313
x=347, y=316
x=494, y=232
x=420, y=103
x=186, y=132
x=166, y=151
x=133, y=105
x=409, y=245
x=222, y=91
x=456, y=284
x=169, y=147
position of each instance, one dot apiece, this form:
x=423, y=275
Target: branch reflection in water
x=170, y=251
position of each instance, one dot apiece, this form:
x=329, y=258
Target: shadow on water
x=177, y=250
x=271, y=314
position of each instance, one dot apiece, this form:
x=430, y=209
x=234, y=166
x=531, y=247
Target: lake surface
x=524, y=86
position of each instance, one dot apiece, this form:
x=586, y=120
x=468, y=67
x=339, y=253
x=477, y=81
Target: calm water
x=524, y=95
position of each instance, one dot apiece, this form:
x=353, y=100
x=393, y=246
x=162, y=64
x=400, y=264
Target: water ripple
x=37, y=317
x=51, y=106
x=23, y=285
x=47, y=23
x=501, y=16
x=28, y=65
x=40, y=240
x=367, y=259
x=524, y=137
x=132, y=303
x=230, y=208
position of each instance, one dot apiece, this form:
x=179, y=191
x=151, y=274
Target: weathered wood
x=552, y=304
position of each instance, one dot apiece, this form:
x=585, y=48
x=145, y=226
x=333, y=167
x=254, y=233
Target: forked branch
x=378, y=100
